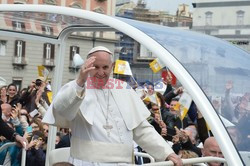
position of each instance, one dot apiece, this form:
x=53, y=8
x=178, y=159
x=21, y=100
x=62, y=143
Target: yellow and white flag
x=50, y=94
x=43, y=72
x=183, y=104
x=151, y=98
x=156, y=65
x=122, y=67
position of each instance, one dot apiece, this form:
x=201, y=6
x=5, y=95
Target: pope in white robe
x=105, y=116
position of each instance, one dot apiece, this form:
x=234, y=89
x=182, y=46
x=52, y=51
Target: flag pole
x=134, y=80
x=159, y=105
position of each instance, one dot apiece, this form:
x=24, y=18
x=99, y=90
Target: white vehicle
x=201, y=63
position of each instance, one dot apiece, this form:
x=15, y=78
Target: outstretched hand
x=22, y=141
x=85, y=69
x=175, y=159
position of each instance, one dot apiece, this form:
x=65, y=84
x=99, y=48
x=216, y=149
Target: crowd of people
x=23, y=111
x=189, y=137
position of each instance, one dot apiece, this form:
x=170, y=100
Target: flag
x=156, y=65
x=122, y=67
x=50, y=94
x=43, y=72
x=151, y=98
x=183, y=104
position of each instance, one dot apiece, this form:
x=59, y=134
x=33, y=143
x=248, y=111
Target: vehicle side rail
x=190, y=161
x=145, y=155
x=9, y=144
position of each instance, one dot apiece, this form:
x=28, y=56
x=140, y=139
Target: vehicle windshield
x=221, y=70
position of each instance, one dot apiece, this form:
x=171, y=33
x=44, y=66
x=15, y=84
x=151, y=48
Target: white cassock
x=85, y=112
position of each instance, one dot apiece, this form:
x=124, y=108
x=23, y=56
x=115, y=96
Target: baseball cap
x=99, y=48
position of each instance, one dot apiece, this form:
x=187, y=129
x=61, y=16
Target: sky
x=166, y=5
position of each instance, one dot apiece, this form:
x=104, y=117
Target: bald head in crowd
x=6, y=111
x=211, y=148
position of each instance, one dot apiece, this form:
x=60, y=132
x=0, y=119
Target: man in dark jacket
x=9, y=133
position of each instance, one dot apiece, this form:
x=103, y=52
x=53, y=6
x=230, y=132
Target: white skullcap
x=99, y=48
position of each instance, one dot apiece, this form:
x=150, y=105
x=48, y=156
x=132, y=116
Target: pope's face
x=103, y=67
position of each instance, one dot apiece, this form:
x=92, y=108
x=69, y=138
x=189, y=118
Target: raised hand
x=175, y=159
x=22, y=140
x=178, y=91
x=176, y=139
x=14, y=112
x=85, y=69
x=229, y=85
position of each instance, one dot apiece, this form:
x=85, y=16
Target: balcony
x=49, y=63
x=72, y=67
x=19, y=62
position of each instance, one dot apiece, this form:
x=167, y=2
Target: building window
x=48, y=54
x=240, y=17
x=19, y=51
x=47, y=30
x=76, y=5
x=2, y=47
x=18, y=26
x=50, y=2
x=237, y=32
x=209, y=16
x=73, y=50
x=99, y=10
x=18, y=83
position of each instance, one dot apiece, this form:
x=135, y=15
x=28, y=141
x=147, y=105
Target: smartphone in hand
x=29, y=129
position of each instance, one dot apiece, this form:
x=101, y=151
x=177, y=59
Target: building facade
x=225, y=19
x=20, y=57
x=137, y=55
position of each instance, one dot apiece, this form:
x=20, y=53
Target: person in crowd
x=148, y=93
x=24, y=118
x=211, y=148
x=12, y=95
x=240, y=143
x=9, y=155
x=162, y=121
x=186, y=140
x=35, y=154
x=9, y=133
x=36, y=125
x=105, y=116
x=180, y=124
x=6, y=112
x=174, y=93
x=35, y=96
x=58, y=137
x=3, y=94
x=65, y=139
x=187, y=154
x=41, y=104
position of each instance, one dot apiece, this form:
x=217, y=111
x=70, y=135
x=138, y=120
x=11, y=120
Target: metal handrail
x=9, y=144
x=190, y=161
x=140, y=154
